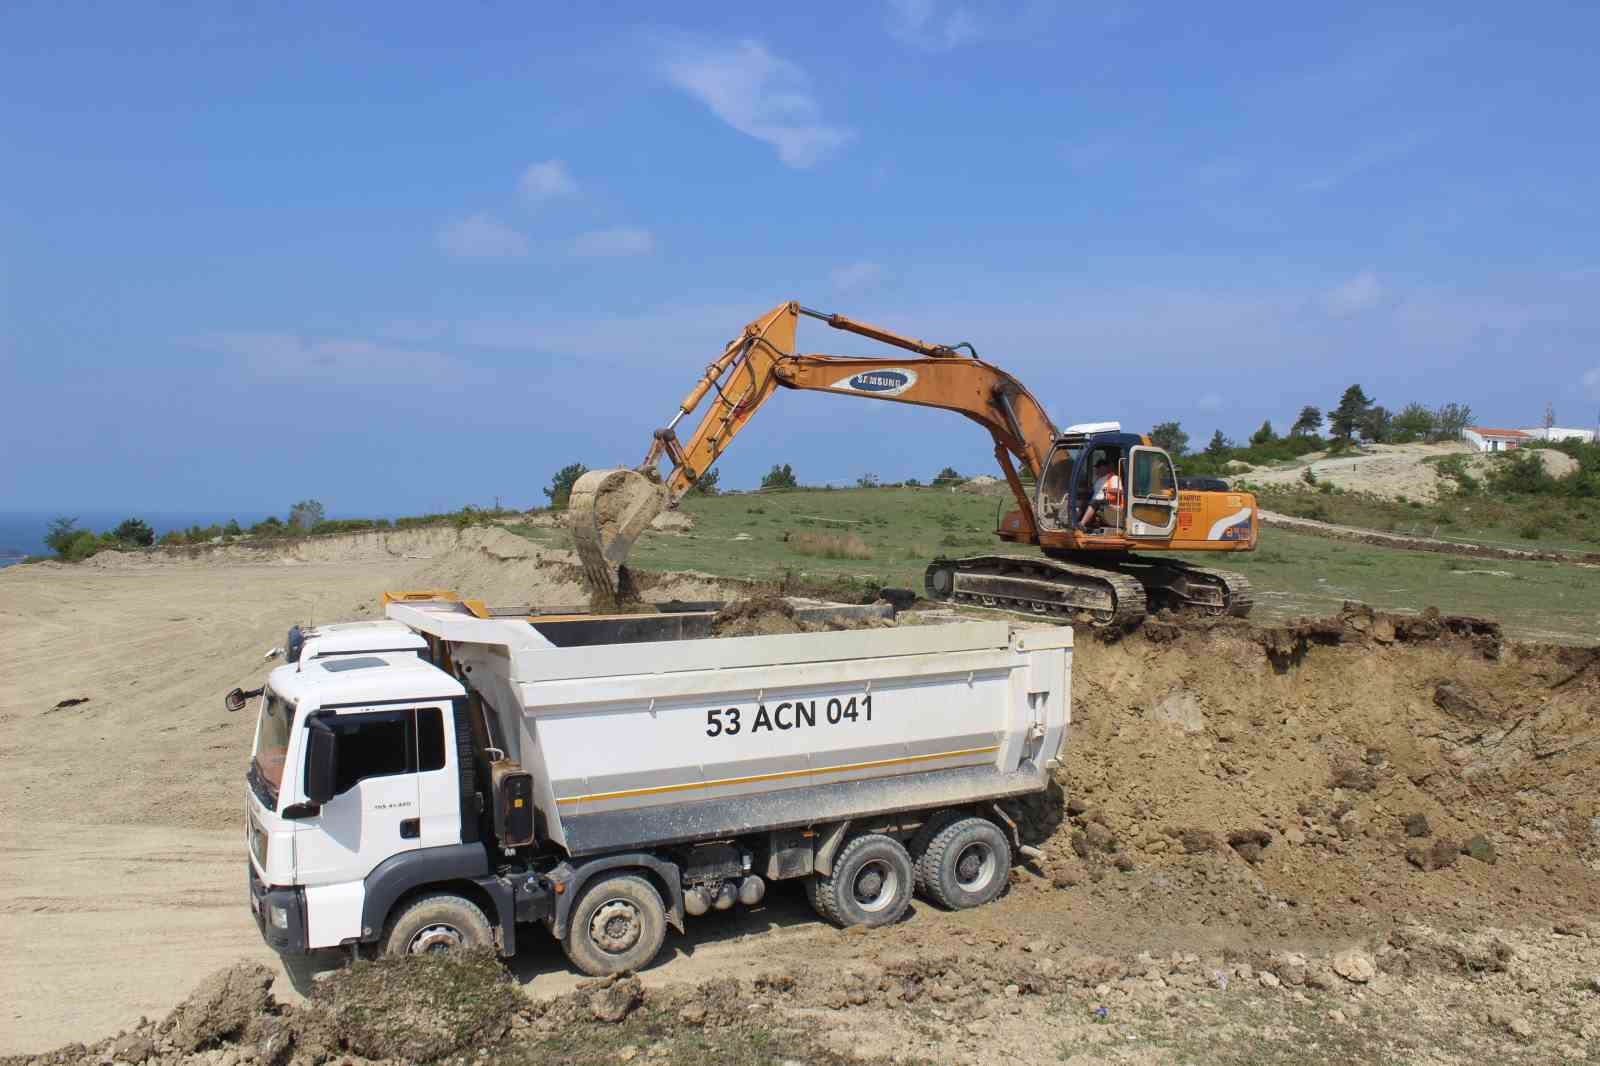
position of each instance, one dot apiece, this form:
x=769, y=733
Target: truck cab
x=376, y=772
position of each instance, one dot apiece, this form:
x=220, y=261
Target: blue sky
x=403, y=257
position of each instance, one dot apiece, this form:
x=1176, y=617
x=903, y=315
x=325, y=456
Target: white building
x=1484, y=439
x=1561, y=433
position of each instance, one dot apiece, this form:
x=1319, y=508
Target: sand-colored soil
x=1228, y=792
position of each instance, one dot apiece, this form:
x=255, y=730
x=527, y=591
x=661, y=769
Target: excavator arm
x=611, y=508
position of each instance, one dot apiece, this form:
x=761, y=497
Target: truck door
x=1152, y=494
x=376, y=810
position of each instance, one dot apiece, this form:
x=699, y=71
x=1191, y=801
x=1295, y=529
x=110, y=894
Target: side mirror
x=322, y=763
x=236, y=699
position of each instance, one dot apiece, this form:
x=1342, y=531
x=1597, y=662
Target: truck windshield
x=272, y=740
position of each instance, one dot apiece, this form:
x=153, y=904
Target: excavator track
x=1039, y=587
x=1185, y=587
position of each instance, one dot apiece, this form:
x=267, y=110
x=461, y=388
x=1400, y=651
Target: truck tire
x=870, y=885
x=923, y=837
x=967, y=864
x=437, y=923
x=618, y=924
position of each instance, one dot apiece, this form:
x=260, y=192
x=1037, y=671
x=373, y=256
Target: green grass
x=1561, y=522
x=1298, y=574
x=1293, y=574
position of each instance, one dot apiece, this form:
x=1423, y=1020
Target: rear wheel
x=918, y=847
x=967, y=864
x=436, y=924
x=618, y=924
x=870, y=885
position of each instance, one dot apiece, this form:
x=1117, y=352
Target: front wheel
x=436, y=924
x=619, y=924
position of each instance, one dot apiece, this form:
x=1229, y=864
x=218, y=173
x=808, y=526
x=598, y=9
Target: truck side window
x=385, y=743
x=430, y=739
x=372, y=745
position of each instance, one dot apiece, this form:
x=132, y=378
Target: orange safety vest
x=1112, y=490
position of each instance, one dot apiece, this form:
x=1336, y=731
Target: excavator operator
x=1105, y=498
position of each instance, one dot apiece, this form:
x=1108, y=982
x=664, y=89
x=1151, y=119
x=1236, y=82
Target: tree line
x=1357, y=416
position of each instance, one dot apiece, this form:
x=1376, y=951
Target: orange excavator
x=1091, y=565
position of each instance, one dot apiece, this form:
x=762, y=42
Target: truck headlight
x=278, y=915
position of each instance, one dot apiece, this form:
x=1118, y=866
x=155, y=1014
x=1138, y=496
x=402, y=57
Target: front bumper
x=289, y=904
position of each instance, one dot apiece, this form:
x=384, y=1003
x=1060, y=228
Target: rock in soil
x=1479, y=848
x=1440, y=855
x=132, y=1047
x=1354, y=965
x=616, y=1000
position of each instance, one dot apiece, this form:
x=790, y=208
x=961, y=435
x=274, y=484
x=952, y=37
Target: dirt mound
x=420, y=1009
x=1273, y=777
x=1393, y=471
x=983, y=485
x=763, y=614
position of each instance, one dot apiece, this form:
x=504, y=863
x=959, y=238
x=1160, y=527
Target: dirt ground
x=1240, y=809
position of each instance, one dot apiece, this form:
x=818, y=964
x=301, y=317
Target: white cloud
x=614, y=242
x=1354, y=296
x=288, y=355
x=480, y=236
x=853, y=277
x=1210, y=403
x=931, y=25
x=546, y=181
x=757, y=93
x=1591, y=379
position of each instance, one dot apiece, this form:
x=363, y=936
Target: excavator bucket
x=608, y=510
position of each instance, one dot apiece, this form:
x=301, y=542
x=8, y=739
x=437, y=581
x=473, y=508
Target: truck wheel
x=966, y=865
x=618, y=924
x=923, y=837
x=438, y=923
x=870, y=884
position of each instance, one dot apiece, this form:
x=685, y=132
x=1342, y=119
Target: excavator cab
x=1149, y=499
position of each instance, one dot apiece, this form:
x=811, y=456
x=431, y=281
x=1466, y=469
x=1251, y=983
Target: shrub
x=306, y=514
x=707, y=485
x=780, y=477
x=560, y=488
x=63, y=531
x=349, y=525
x=1531, y=531
x=82, y=545
x=135, y=531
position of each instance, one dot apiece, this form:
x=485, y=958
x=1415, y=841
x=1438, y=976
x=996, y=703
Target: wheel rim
x=875, y=885
x=616, y=926
x=435, y=940
x=975, y=867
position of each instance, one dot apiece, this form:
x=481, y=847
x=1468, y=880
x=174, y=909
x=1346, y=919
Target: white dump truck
x=440, y=778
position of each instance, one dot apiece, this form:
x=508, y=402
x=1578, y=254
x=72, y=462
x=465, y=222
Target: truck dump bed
x=667, y=741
